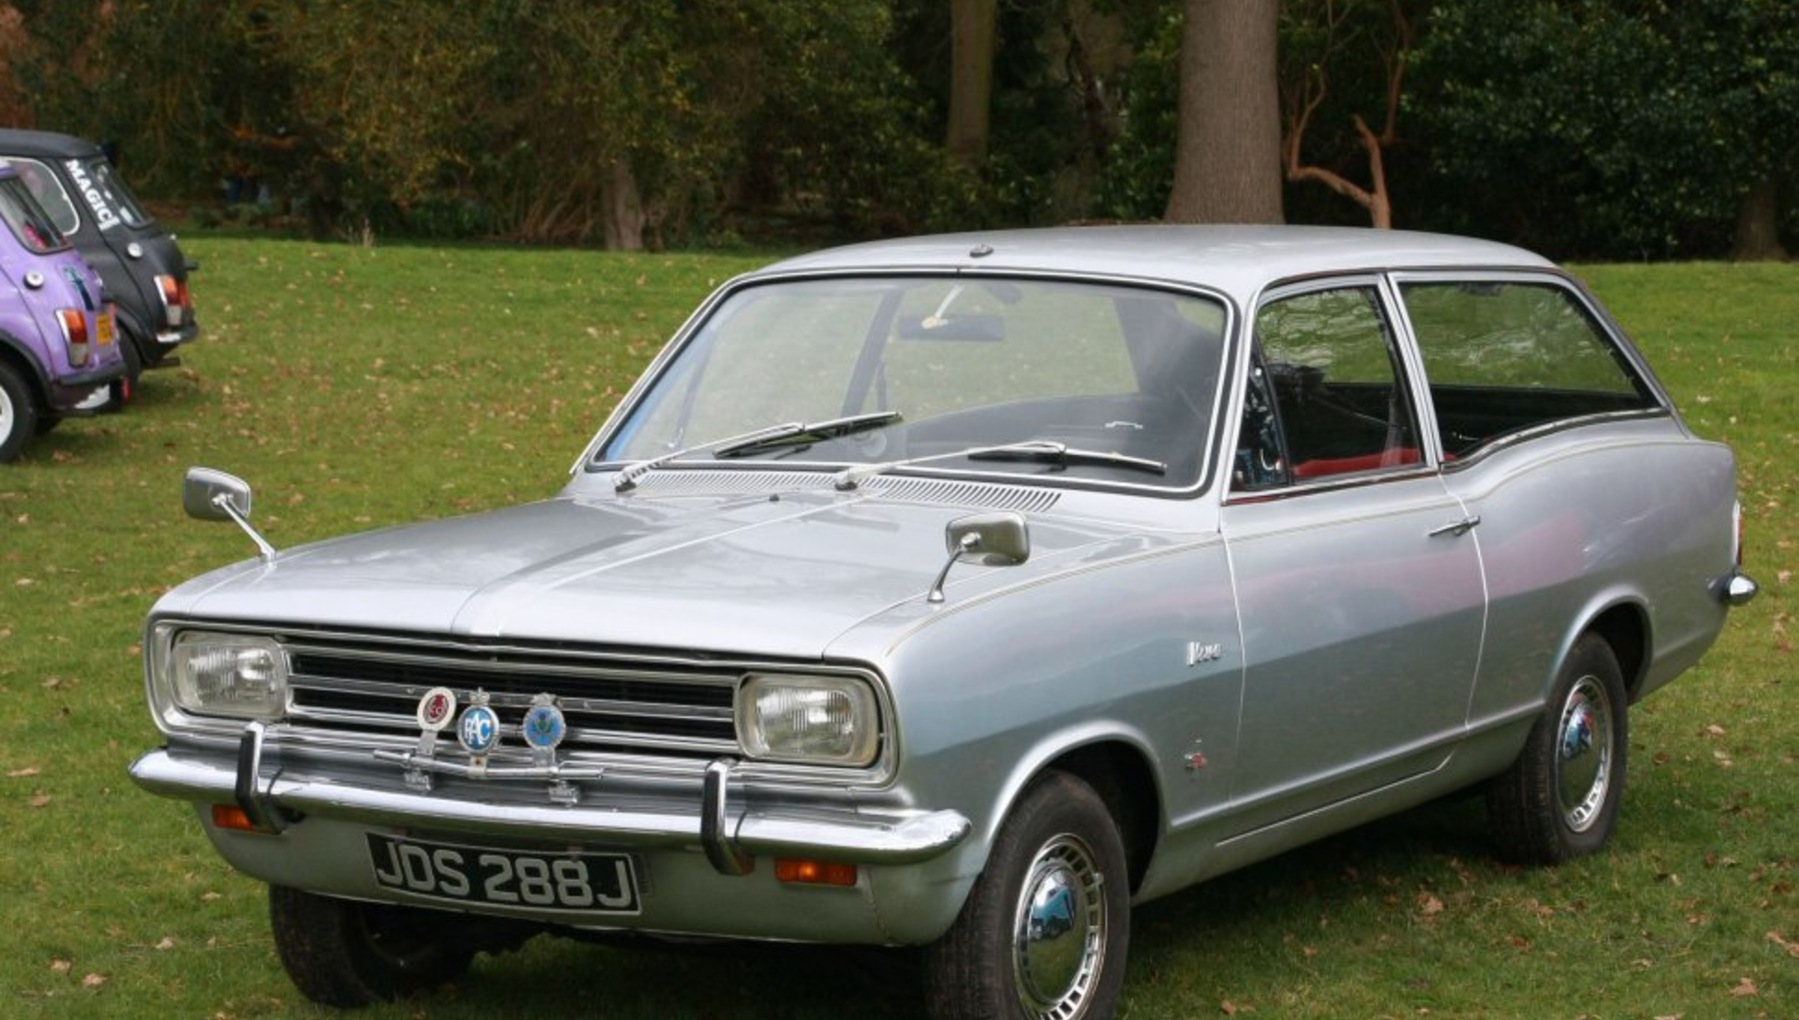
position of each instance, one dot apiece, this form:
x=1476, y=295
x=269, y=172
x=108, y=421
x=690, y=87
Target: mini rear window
x=27, y=219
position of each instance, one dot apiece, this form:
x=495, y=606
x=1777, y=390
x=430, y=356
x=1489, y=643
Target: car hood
x=768, y=575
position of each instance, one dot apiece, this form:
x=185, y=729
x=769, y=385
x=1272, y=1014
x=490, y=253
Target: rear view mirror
x=994, y=540
x=206, y=493
x=211, y=495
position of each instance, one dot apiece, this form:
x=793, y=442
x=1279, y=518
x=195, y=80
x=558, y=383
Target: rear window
x=27, y=219
x=1503, y=357
x=47, y=188
x=106, y=193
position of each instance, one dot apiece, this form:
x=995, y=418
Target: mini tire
x=347, y=954
x=1560, y=799
x=1046, y=928
x=18, y=413
x=123, y=390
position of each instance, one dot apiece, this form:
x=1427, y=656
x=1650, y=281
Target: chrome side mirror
x=995, y=540
x=210, y=495
x=206, y=493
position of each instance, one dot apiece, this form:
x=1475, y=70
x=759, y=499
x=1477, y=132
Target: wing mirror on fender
x=995, y=540
x=210, y=495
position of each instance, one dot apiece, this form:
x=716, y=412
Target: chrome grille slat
x=611, y=703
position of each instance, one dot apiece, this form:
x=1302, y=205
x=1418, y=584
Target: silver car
x=962, y=592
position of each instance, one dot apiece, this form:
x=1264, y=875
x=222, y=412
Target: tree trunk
x=974, y=26
x=623, y=209
x=1227, y=166
x=1758, y=225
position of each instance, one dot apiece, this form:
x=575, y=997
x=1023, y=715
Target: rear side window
x=1503, y=357
x=27, y=219
x=49, y=192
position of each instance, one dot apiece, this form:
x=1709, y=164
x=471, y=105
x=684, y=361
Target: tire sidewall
x=969, y=972
x=1528, y=815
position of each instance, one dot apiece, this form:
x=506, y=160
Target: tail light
x=74, y=333
x=176, y=302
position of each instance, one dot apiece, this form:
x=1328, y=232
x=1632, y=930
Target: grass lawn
x=362, y=387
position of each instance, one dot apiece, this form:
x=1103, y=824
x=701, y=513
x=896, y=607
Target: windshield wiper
x=744, y=441
x=1030, y=449
x=806, y=435
x=1063, y=455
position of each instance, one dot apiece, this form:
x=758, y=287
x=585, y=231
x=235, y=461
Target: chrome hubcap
x=1058, y=941
x=8, y=421
x=1583, y=761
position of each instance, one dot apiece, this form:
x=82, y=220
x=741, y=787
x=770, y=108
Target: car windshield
x=945, y=369
x=27, y=219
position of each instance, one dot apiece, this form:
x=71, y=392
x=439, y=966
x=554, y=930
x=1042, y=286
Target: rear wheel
x=1045, y=930
x=345, y=953
x=1560, y=799
x=18, y=413
x=123, y=390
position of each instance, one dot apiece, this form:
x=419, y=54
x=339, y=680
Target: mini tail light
x=176, y=302
x=74, y=333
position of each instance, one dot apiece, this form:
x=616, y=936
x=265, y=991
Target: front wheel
x=1560, y=799
x=346, y=954
x=1045, y=930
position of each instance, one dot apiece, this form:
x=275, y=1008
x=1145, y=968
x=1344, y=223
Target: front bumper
x=731, y=836
x=706, y=851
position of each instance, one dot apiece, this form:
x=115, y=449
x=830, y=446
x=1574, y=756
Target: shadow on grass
x=1233, y=915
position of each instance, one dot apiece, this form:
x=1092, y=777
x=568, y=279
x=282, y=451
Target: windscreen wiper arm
x=1030, y=449
x=806, y=435
x=1063, y=455
x=744, y=441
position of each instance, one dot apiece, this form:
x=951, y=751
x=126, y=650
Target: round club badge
x=544, y=725
x=479, y=729
x=436, y=708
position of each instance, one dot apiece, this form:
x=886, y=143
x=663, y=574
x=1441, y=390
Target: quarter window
x=1503, y=357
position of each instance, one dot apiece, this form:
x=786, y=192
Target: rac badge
x=478, y=731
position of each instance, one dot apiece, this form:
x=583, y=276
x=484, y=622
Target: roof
x=44, y=144
x=1238, y=259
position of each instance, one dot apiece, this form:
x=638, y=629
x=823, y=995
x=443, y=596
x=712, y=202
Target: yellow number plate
x=104, y=327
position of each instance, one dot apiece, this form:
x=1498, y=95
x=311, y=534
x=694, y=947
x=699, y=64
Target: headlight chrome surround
x=808, y=719
x=217, y=673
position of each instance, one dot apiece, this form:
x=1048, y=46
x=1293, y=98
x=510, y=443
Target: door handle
x=1457, y=528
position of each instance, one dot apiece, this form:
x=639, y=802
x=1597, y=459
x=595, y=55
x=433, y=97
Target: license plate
x=103, y=326
x=592, y=883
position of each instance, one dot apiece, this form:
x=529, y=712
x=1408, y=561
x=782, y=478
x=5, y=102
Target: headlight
x=227, y=674
x=817, y=720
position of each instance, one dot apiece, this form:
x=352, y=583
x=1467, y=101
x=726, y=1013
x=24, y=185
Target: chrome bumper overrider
x=732, y=836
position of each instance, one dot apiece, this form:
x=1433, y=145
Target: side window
x=48, y=190
x=1507, y=356
x=1326, y=396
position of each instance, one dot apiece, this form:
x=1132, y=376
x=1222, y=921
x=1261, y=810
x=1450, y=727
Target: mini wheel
x=345, y=953
x=18, y=413
x=1560, y=799
x=1045, y=930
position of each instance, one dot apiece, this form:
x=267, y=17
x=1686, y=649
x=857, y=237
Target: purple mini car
x=58, y=337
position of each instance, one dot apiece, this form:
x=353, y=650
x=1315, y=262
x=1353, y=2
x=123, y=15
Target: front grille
x=613, y=703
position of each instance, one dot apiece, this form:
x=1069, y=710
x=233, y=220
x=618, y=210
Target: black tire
x=123, y=390
x=1046, y=928
x=347, y=954
x=18, y=413
x=1560, y=799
